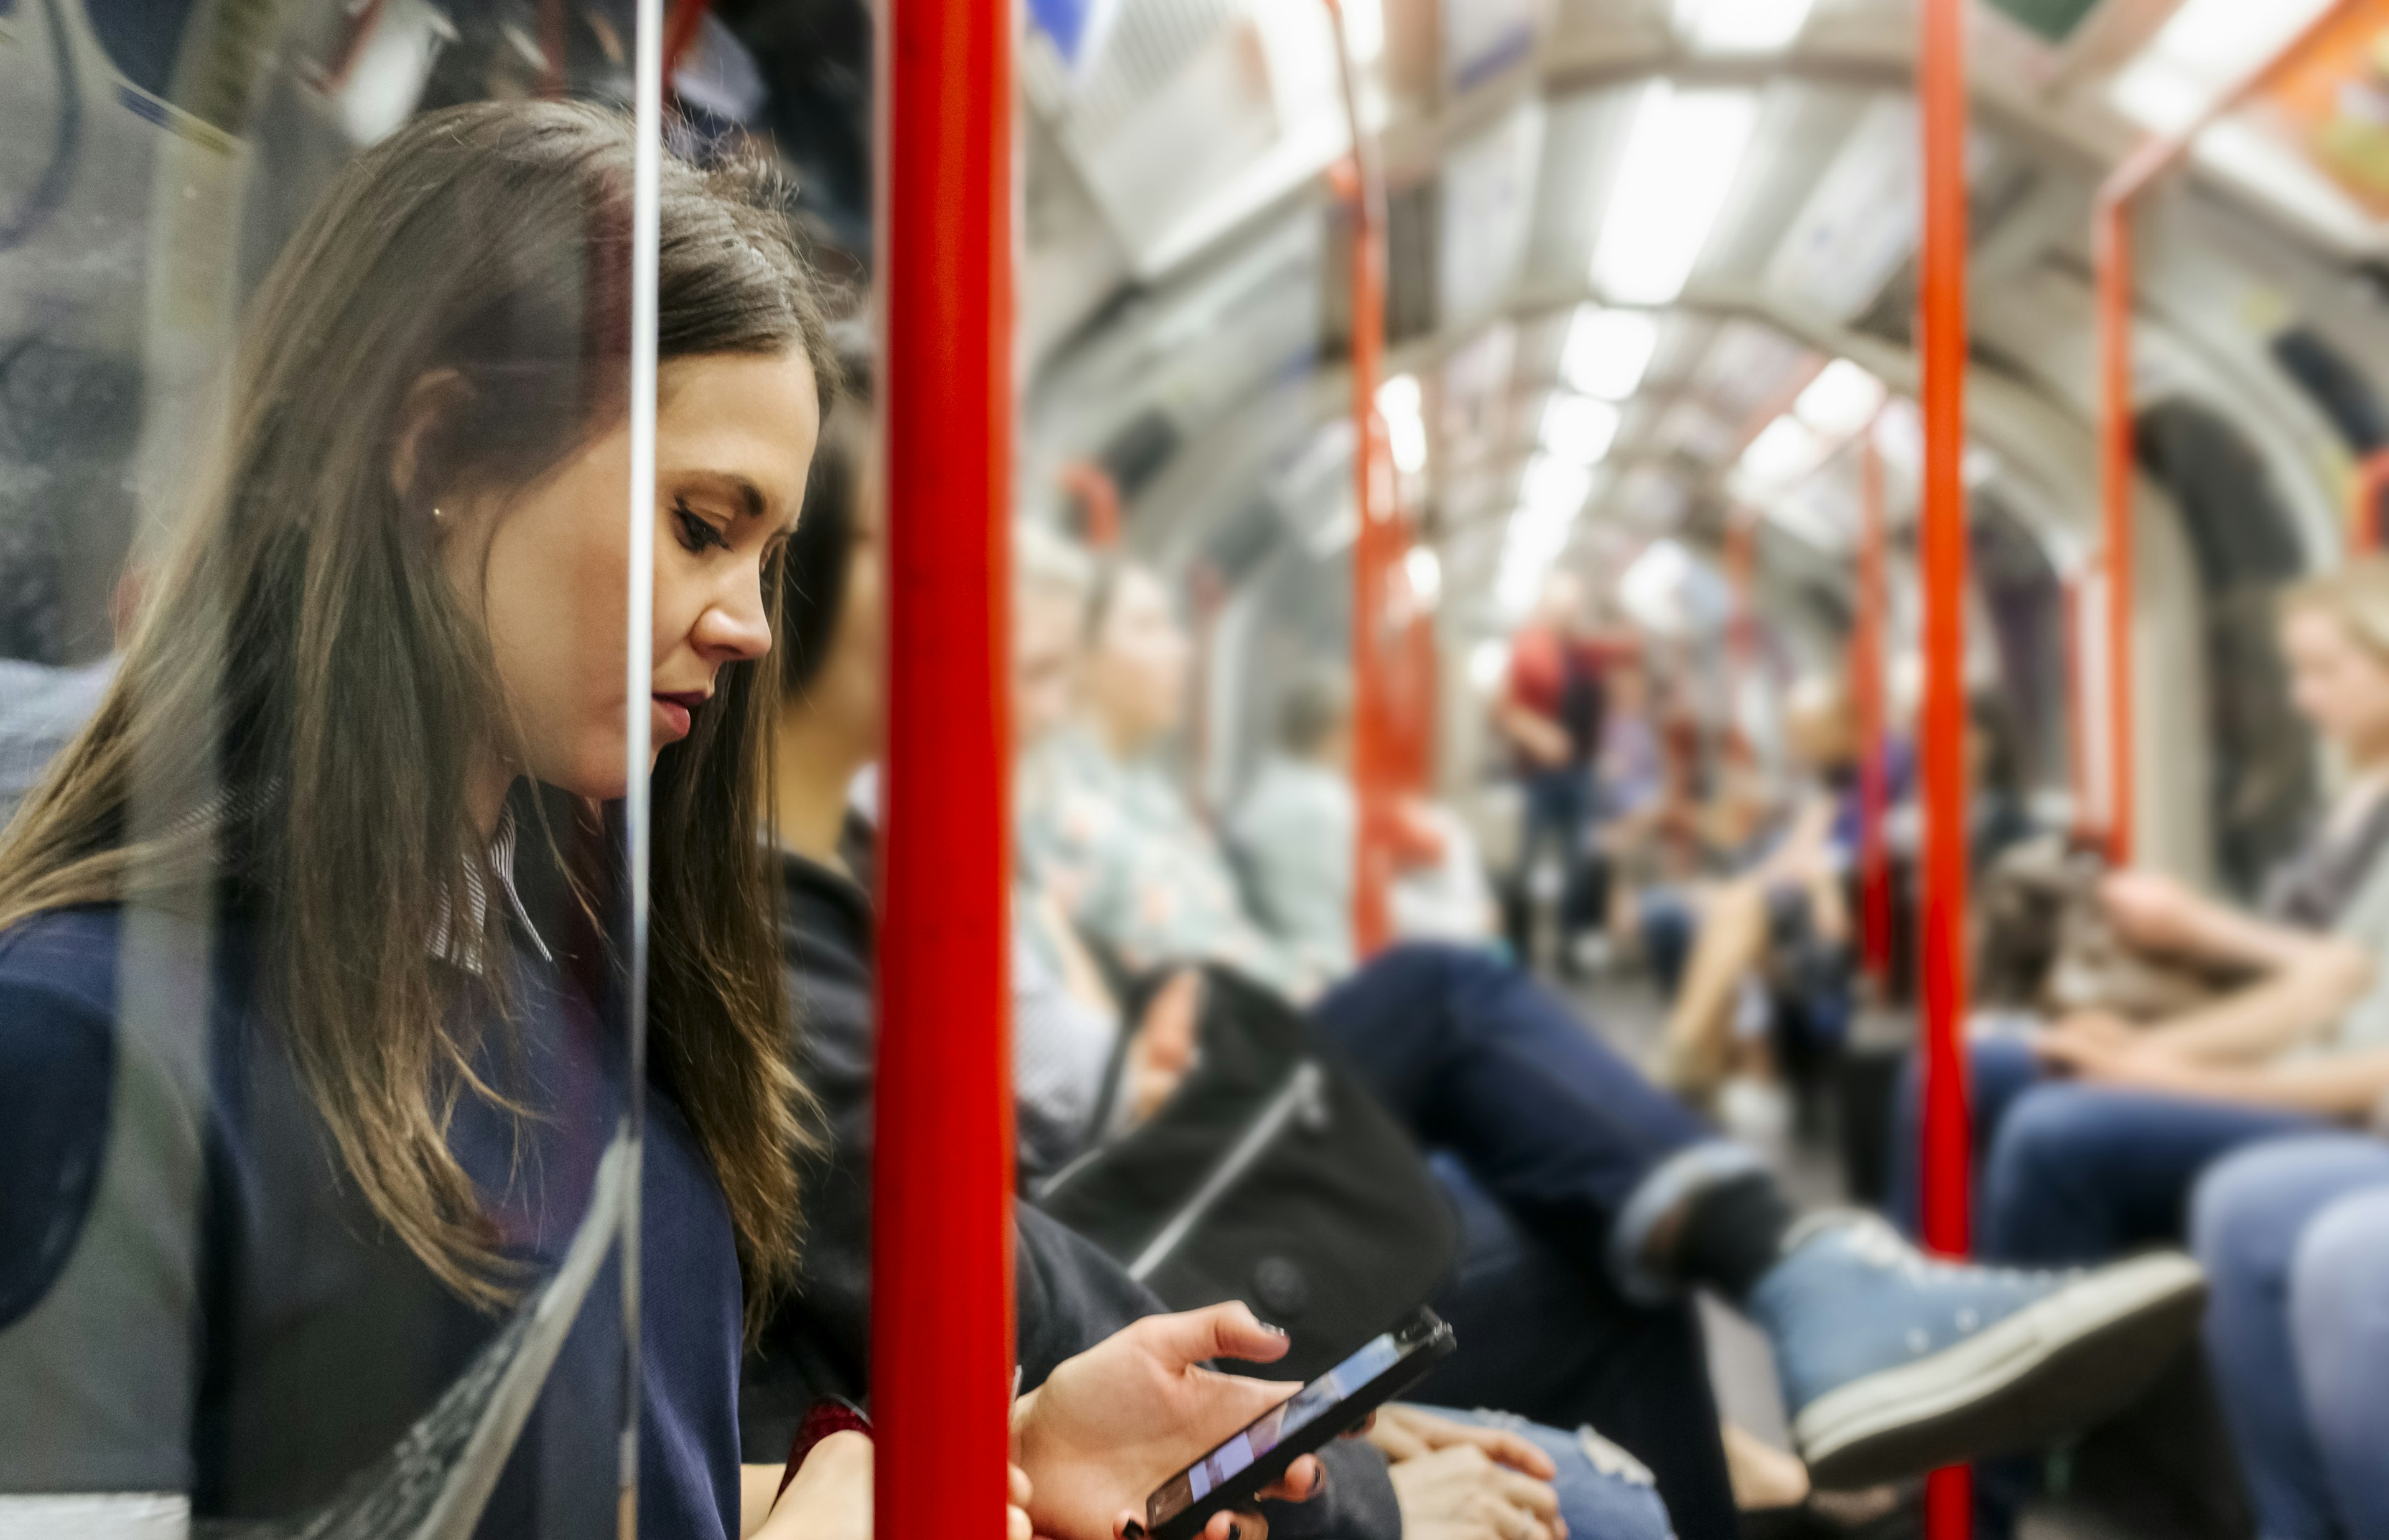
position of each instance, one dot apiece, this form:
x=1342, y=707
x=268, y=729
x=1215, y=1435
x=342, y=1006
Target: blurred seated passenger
x=1590, y=1202
x=1770, y=950
x=1102, y=825
x=1068, y=1295
x=2092, y=1130
x=1293, y=833
x=2294, y=1234
x=1294, y=828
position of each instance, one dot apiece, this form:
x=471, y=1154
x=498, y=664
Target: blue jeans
x=1557, y=1156
x=1542, y=1338
x=1604, y=1493
x=2071, y=1173
x=1476, y=1056
x=2294, y=1236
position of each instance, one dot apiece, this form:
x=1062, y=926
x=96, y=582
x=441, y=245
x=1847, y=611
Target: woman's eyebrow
x=749, y=497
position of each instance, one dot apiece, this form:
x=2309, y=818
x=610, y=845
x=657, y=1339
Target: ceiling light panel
x=1553, y=488
x=1740, y=26
x=1578, y=430
x=1785, y=452
x=1680, y=160
x=1608, y=351
x=1842, y=398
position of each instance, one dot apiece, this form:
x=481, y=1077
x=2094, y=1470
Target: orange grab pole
x=1866, y=697
x=2112, y=242
x=1376, y=550
x=1943, y=108
x=2364, y=520
x=941, y=1250
x=2112, y=247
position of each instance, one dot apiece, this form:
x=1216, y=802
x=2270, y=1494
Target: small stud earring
x=439, y=515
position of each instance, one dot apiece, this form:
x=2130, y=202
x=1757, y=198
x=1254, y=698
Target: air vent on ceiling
x=2053, y=21
x=1150, y=42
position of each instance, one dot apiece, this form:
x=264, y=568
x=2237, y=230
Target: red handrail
x=1941, y=89
x=2112, y=242
x=941, y=1248
x=1377, y=548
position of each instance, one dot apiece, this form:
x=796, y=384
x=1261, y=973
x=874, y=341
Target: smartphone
x=1329, y=1406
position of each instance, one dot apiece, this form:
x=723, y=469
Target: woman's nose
x=735, y=628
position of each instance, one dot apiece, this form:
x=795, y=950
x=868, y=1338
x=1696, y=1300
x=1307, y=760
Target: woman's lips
x=673, y=710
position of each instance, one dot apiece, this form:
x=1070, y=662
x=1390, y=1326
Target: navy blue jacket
x=193, y=1299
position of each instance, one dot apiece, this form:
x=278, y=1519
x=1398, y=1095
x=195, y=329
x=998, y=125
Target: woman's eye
x=697, y=533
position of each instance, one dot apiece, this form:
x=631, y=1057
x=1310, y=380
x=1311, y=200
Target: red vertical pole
x=1866, y=697
x=2117, y=461
x=1377, y=549
x=2364, y=520
x=941, y=1249
x=1942, y=87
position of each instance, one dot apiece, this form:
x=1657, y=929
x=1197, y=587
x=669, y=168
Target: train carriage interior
x=1703, y=683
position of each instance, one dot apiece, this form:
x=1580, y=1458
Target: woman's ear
x=431, y=406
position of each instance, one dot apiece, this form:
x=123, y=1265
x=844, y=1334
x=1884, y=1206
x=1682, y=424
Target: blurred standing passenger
x=1550, y=714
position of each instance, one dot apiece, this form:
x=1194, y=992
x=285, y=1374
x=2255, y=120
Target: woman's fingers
x=1236, y=1526
x=1301, y=1482
x=1017, y=1525
x=1509, y=1449
x=1539, y=1498
x=1017, y=1492
x=1229, y=1330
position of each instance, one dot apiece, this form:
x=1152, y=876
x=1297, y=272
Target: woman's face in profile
x=733, y=437
x=1136, y=673
x=2339, y=686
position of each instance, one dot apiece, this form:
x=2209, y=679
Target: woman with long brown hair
x=313, y=1042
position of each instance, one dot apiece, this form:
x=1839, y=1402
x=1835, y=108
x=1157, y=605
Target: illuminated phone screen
x=1273, y=1427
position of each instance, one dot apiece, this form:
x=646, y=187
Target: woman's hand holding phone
x=1136, y=1409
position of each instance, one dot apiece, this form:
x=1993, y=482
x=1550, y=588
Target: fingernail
x=1273, y=1329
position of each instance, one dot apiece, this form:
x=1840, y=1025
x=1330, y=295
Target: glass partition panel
x=317, y=703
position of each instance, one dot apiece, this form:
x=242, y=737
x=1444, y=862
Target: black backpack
x=1271, y=1175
